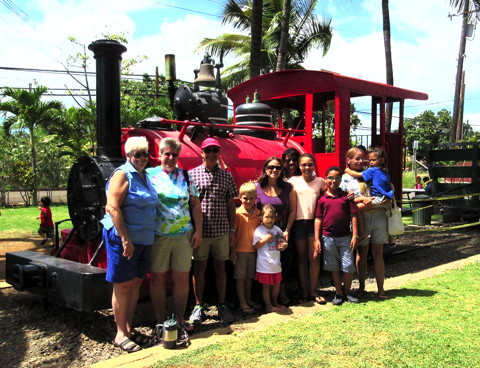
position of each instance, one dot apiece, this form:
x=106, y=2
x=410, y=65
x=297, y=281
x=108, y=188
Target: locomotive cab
x=301, y=100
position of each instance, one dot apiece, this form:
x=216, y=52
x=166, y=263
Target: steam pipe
x=170, y=76
x=108, y=55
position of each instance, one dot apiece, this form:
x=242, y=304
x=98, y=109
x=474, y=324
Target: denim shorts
x=119, y=268
x=303, y=229
x=337, y=254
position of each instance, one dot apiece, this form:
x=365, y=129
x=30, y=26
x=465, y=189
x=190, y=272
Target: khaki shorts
x=245, y=266
x=218, y=247
x=173, y=252
x=375, y=224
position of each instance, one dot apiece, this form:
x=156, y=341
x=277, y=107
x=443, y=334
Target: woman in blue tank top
x=128, y=233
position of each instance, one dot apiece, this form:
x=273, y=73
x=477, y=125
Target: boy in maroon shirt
x=333, y=216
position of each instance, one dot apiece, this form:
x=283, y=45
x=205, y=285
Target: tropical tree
x=427, y=128
x=139, y=101
x=15, y=167
x=282, y=48
x=256, y=38
x=53, y=164
x=305, y=32
x=75, y=131
x=388, y=58
x=26, y=111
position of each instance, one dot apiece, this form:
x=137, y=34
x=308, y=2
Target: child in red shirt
x=46, y=220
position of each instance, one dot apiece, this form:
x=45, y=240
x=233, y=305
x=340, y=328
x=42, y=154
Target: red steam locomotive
x=74, y=275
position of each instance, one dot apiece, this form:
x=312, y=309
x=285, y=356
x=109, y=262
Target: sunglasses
x=336, y=178
x=306, y=165
x=211, y=150
x=273, y=167
x=290, y=160
x=139, y=154
x=170, y=154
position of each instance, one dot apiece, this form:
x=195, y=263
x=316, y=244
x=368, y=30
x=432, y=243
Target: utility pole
x=458, y=80
x=156, y=82
x=459, y=133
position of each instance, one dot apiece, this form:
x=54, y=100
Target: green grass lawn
x=408, y=220
x=24, y=219
x=429, y=323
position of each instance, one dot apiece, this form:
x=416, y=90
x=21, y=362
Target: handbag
x=395, y=222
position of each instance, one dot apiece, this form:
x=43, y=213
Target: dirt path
x=42, y=335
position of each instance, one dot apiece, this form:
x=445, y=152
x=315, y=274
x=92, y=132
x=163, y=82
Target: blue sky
x=424, y=41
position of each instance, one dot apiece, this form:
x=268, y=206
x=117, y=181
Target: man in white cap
x=217, y=193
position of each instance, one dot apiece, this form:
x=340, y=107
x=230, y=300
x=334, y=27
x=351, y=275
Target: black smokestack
x=108, y=55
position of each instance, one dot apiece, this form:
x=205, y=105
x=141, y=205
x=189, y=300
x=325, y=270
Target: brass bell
x=206, y=77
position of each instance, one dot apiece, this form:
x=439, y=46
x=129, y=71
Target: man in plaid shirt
x=217, y=193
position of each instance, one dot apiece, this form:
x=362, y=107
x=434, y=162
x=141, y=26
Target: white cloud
x=424, y=43
x=177, y=38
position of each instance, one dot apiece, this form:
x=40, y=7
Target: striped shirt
x=216, y=188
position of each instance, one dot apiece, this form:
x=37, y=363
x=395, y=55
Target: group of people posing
x=158, y=219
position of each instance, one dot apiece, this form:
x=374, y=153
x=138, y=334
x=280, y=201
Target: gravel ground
x=37, y=334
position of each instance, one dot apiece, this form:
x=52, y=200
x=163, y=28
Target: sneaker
x=351, y=299
x=338, y=300
x=224, y=314
x=197, y=315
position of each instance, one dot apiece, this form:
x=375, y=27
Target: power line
x=189, y=10
x=137, y=77
x=10, y=5
x=57, y=71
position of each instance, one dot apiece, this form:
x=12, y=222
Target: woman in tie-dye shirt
x=176, y=233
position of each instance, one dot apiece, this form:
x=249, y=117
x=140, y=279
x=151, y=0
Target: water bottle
x=170, y=333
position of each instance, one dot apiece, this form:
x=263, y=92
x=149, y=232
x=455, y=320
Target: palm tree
x=75, y=130
x=388, y=58
x=256, y=35
x=470, y=10
x=26, y=111
x=282, y=48
x=305, y=33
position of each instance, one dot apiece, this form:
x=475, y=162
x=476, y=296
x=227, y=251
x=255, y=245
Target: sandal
x=183, y=339
x=256, y=307
x=247, y=310
x=187, y=327
x=281, y=309
x=320, y=300
x=382, y=296
x=128, y=345
x=141, y=339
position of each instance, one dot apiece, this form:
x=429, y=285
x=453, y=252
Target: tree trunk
x=458, y=79
x=388, y=59
x=256, y=36
x=282, y=49
x=33, y=151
